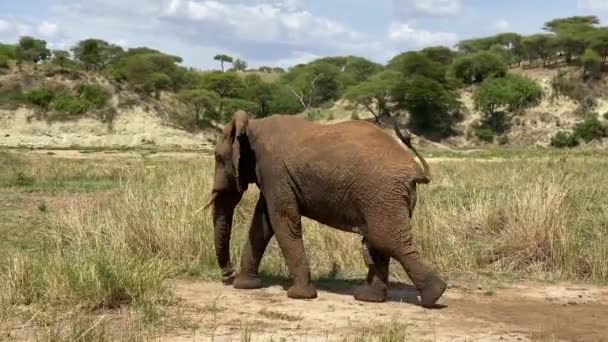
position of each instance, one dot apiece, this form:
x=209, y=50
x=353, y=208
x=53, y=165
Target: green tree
x=223, y=59
x=478, y=66
x=540, y=46
x=592, y=63
x=375, y=93
x=157, y=82
x=224, y=84
x=556, y=24
x=418, y=64
x=31, y=50
x=431, y=106
x=231, y=105
x=598, y=41
x=258, y=91
x=497, y=96
x=96, y=53
x=439, y=54
x=266, y=69
x=356, y=70
x=8, y=51
x=314, y=83
x=202, y=104
x=239, y=65
x=278, y=70
x=61, y=58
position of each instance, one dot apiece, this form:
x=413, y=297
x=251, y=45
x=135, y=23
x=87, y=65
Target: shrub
x=591, y=129
x=354, y=116
x=3, y=62
x=11, y=95
x=41, y=97
x=511, y=93
x=485, y=134
x=564, y=139
x=67, y=103
x=605, y=115
x=93, y=94
x=592, y=62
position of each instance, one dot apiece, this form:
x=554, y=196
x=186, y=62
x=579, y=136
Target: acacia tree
x=375, y=93
x=202, y=103
x=497, y=96
x=239, y=65
x=223, y=59
x=61, y=58
x=31, y=50
x=96, y=53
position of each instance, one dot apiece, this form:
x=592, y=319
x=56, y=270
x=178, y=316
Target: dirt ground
x=524, y=312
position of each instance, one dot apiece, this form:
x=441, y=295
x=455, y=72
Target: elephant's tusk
x=206, y=206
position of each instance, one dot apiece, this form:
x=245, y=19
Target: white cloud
x=266, y=21
x=429, y=7
x=502, y=25
x=406, y=33
x=120, y=42
x=259, y=31
x=4, y=26
x=597, y=5
x=48, y=30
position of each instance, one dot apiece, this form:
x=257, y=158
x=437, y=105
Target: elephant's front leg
x=375, y=288
x=287, y=227
x=260, y=233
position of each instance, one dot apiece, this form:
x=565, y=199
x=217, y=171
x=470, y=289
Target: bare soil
x=524, y=312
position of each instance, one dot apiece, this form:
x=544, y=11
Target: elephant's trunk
x=222, y=223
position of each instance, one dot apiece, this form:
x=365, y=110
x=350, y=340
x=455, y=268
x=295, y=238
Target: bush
x=485, y=134
x=3, y=62
x=564, y=139
x=67, y=103
x=592, y=62
x=11, y=95
x=591, y=129
x=606, y=115
x=93, y=94
x=511, y=93
x=41, y=97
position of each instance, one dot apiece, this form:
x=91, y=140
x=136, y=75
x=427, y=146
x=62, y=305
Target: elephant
x=350, y=176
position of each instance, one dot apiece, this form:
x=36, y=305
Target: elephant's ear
x=240, y=121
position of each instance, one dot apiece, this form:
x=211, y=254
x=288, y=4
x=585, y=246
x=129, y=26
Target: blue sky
x=280, y=32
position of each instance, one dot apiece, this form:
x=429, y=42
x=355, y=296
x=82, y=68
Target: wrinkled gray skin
x=351, y=176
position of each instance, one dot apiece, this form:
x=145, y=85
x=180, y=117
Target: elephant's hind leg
x=376, y=286
x=392, y=235
x=260, y=234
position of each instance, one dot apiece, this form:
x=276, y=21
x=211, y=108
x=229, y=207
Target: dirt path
x=520, y=313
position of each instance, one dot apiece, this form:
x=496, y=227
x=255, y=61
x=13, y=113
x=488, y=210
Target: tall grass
x=525, y=218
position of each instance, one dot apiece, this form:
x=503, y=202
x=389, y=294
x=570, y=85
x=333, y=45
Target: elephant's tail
x=406, y=138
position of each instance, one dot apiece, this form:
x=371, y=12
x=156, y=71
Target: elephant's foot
x=228, y=276
x=302, y=292
x=245, y=282
x=432, y=290
x=368, y=293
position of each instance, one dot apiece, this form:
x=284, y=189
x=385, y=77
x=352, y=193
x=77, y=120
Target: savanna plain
x=115, y=246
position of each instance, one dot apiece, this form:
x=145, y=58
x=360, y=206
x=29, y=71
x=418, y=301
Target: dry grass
x=520, y=218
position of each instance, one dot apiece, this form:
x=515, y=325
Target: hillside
x=127, y=120
x=151, y=123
